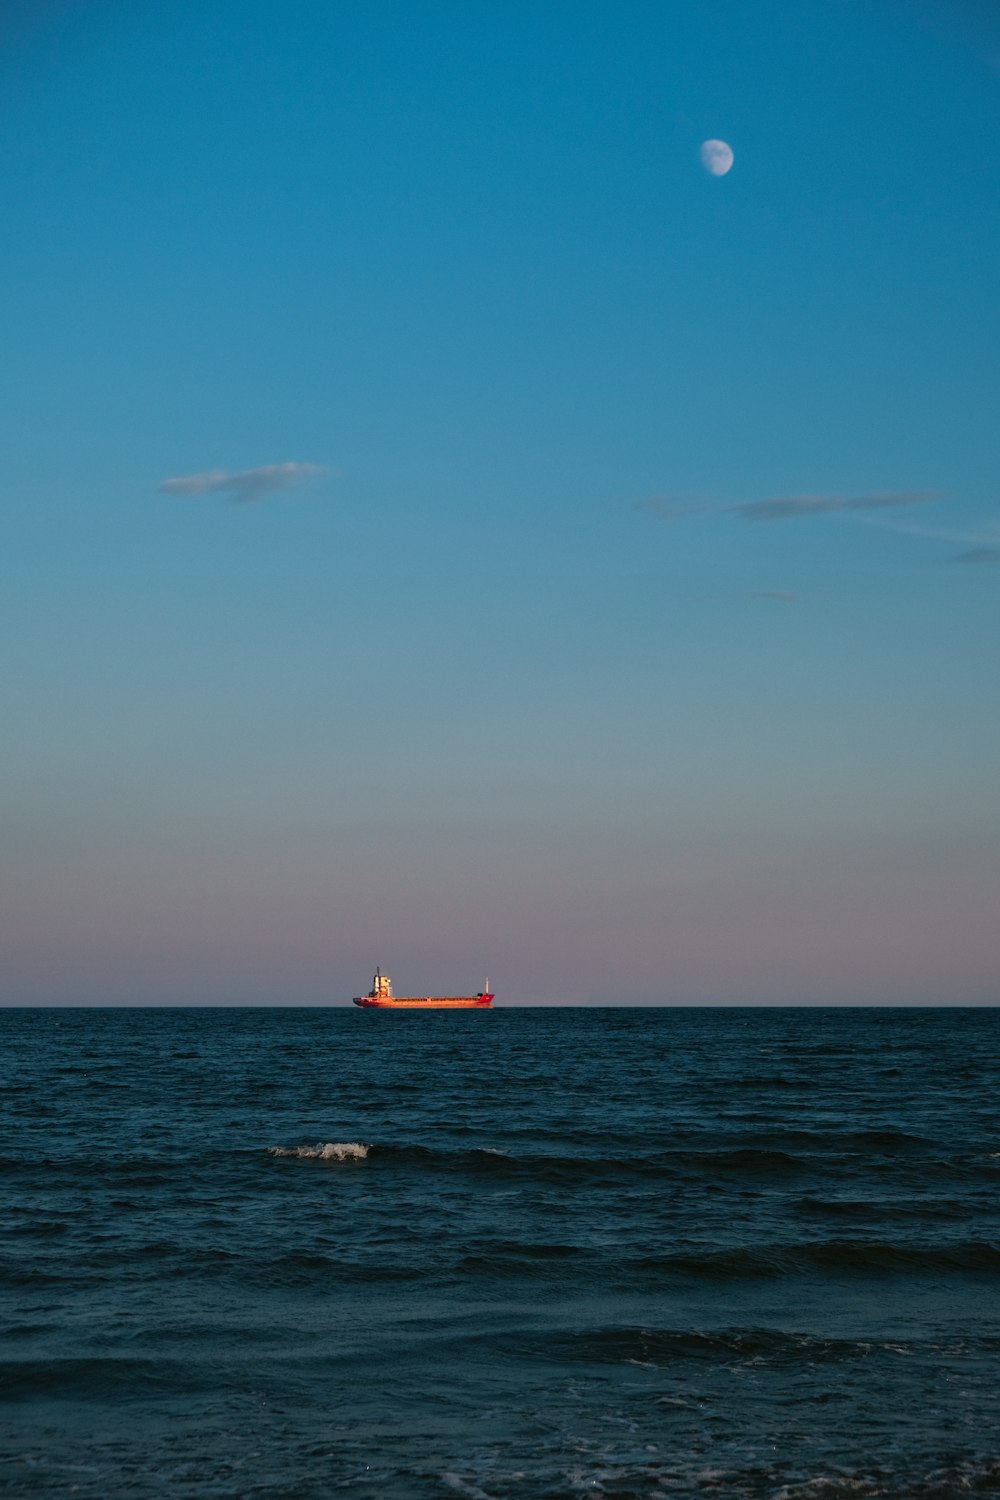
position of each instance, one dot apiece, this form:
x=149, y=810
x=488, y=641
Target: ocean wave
x=667, y=1346
x=304, y=1269
x=654, y=1348
x=887, y=1139
x=561, y=1168
x=490, y=1161
x=877, y=1256
x=96, y=1378
x=769, y=1081
x=752, y=1160
x=865, y=1210
x=514, y=1258
x=330, y=1151
x=979, y=1477
x=776, y=1262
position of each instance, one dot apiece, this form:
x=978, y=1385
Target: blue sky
x=624, y=621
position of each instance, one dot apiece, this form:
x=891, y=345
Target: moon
x=716, y=157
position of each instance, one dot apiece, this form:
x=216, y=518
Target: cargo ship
x=380, y=997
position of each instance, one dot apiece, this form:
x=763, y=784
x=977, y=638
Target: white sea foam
x=464, y=1487
x=331, y=1151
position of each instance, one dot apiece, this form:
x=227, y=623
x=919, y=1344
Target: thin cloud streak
x=783, y=507
x=246, y=485
x=674, y=507
x=778, y=596
x=988, y=536
x=982, y=547
x=790, y=507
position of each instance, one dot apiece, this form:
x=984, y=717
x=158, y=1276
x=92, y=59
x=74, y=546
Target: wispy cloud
x=673, y=507
x=789, y=507
x=247, y=484
x=778, y=596
x=781, y=507
x=986, y=538
x=982, y=545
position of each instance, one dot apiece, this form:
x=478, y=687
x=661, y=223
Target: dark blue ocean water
x=519, y=1253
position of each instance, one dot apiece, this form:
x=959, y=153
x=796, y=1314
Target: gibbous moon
x=716, y=157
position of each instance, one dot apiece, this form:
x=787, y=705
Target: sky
x=447, y=527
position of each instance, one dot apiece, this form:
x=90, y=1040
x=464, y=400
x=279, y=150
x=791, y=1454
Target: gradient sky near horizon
x=446, y=527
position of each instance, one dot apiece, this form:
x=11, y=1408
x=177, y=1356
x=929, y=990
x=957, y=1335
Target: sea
x=505, y=1254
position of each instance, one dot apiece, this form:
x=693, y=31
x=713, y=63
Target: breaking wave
x=330, y=1151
